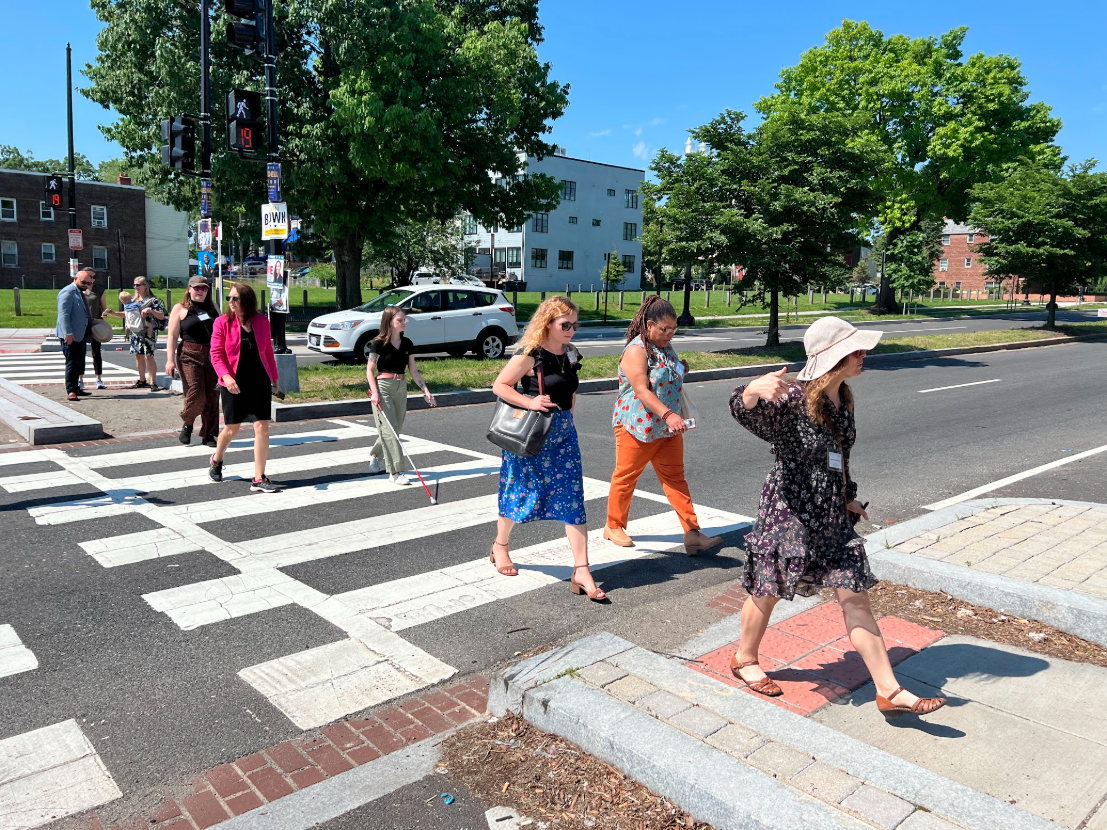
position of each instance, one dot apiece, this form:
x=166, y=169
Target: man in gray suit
x=75, y=329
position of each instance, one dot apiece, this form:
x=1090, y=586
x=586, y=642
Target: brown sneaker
x=617, y=536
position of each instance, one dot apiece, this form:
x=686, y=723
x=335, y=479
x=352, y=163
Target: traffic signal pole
x=205, y=96
x=72, y=165
x=274, y=247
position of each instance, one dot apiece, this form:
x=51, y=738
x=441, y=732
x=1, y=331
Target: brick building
x=126, y=233
x=959, y=266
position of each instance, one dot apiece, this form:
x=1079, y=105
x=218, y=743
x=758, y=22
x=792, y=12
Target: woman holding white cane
x=392, y=356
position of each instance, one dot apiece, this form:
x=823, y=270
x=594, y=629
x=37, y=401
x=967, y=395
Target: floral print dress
x=803, y=539
x=147, y=342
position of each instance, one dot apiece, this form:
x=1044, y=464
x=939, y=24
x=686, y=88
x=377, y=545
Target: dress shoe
x=695, y=542
x=617, y=536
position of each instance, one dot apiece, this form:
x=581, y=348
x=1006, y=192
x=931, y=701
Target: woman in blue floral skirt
x=551, y=485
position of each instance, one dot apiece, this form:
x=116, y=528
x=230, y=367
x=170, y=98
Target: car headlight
x=345, y=325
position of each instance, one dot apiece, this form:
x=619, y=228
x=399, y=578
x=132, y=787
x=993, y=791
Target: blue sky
x=641, y=72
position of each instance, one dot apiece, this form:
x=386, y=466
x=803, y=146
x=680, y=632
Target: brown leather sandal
x=922, y=706
x=506, y=570
x=765, y=686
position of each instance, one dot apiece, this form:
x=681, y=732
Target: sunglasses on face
x=233, y=298
x=666, y=329
x=569, y=326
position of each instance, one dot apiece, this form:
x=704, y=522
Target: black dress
x=254, y=398
x=803, y=539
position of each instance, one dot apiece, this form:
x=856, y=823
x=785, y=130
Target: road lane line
x=959, y=386
x=1003, y=482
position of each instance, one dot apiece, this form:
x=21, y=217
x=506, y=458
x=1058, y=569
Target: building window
x=515, y=229
x=943, y=264
x=48, y=252
x=945, y=238
x=7, y=210
x=514, y=257
x=968, y=262
x=572, y=220
x=501, y=255
x=99, y=216
x=595, y=223
x=628, y=263
x=9, y=253
x=630, y=231
x=957, y=285
x=568, y=191
x=538, y=258
x=611, y=191
x=630, y=198
x=99, y=257
x=470, y=224
x=970, y=238
x=45, y=213
x=541, y=223
x=564, y=260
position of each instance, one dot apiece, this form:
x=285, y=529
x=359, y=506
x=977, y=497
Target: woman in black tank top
x=190, y=323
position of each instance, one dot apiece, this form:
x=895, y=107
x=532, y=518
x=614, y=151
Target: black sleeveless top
x=559, y=377
x=195, y=330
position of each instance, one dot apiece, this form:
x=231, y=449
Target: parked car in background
x=300, y=272
x=426, y=278
x=465, y=279
x=699, y=285
x=439, y=319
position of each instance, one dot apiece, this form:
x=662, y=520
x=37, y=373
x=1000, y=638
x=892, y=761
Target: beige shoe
x=695, y=542
x=617, y=536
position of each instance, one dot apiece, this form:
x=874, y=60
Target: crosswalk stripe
x=38, y=481
x=9, y=459
x=137, y=547
x=15, y=657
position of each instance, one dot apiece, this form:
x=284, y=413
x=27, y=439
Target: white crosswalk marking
x=371, y=663
x=40, y=368
x=15, y=658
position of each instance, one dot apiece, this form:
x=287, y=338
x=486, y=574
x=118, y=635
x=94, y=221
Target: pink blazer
x=226, y=346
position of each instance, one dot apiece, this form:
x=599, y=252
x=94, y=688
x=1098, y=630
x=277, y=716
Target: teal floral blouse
x=666, y=381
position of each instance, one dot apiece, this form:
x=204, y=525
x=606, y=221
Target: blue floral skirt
x=550, y=486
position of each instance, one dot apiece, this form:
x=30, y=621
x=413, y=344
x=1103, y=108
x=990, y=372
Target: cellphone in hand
x=690, y=423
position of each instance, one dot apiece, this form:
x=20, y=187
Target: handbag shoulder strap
x=540, y=374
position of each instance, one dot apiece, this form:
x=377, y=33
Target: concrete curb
x=284, y=413
x=18, y=408
x=709, y=784
x=1072, y=612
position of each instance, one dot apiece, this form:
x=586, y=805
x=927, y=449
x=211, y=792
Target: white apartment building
x=600, y=211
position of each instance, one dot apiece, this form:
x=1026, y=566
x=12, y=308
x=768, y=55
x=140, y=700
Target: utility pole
x=205, y=109
x=686, y=319
x=274, y=247
x=72, y=167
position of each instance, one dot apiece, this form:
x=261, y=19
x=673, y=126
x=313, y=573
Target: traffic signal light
x=180, y=151
x=249, y=32
x=243, y=129
x=53, y=184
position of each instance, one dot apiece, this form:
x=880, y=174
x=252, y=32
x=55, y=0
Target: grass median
x=333, y=382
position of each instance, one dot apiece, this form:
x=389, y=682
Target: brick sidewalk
x=1062, y=546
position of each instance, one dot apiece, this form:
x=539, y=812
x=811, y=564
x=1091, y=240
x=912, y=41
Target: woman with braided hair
x=649, y=425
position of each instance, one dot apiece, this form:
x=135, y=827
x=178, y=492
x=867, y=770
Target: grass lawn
x=326, y=382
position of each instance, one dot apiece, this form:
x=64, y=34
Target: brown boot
x=617, y=536
x=695, y=542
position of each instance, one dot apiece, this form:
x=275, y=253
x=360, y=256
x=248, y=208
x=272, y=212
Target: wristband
x=666, y=414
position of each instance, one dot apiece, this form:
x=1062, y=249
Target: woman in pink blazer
x=242, y=355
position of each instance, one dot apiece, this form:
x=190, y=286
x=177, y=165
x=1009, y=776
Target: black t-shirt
x=559, y=377
x=389, y=358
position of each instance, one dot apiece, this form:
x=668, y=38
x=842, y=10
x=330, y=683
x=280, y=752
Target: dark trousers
x=74, y=363
x=97, y=359
x=201, y=390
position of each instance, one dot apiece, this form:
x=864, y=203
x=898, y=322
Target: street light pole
x=686, y=319
x=73, y=265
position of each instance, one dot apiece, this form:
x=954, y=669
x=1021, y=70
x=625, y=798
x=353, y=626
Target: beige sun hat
x=828, y=340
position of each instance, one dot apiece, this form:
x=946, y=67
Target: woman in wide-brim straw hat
x=804, y=537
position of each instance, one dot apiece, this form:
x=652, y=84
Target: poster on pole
x=205, y=261
x=276, y=282
x=274, y=221
x=203, y=235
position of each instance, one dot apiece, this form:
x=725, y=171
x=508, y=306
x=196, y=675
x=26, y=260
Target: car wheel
x=492, y=344
x=362, y=349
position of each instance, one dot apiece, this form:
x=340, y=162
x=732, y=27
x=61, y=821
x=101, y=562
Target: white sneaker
x=375, y=465
x=399, y=478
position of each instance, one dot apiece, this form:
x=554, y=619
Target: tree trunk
x=347, y=266
x=885, y=302
x=773, y=334
x=1051, y=309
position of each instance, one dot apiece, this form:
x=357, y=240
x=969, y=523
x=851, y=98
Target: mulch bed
x=544, y=777
x=953, y=616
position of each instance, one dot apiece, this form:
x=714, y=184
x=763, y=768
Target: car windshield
x=384, y=301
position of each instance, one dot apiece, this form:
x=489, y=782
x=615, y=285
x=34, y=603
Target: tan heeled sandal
x=596, y=595
x=922, y=706
x=765, y=686
x=506, y=570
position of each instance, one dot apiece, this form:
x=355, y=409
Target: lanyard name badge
x=203, y=316
x=834, y=460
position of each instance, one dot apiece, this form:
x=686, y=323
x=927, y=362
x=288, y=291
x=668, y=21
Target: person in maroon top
x=242, y=355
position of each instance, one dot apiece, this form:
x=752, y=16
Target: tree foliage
x=1046, y=226
x=614, y=274
x=439, y=246
x=909, y=256
x=944, y=123
x=391, y=113
x=11, y=158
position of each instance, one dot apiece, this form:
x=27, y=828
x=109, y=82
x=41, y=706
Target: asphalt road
x=160, y=702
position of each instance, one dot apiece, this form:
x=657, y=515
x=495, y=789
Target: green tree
x=391, y=113
x=945, y=123
x=436, y=245
x=11, y=158
x=653, y=245
x=1046, y=226
x=614, y=273
x=908, y=257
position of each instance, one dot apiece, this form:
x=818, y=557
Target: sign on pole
x=1102, y=312
x=205, y=197
x=273, y=180
x=274, y=221
x=76, y=239
x=275, y=282
x=203, y=235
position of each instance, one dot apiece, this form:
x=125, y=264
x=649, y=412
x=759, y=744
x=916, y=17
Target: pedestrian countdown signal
x=243, y=128
x=53, y=185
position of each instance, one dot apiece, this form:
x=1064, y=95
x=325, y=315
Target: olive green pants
x=394, y=403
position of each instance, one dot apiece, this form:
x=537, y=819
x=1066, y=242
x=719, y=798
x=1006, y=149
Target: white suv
x=448, y=319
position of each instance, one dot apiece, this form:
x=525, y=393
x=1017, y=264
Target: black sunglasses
x=569, y=326
x=233, y=299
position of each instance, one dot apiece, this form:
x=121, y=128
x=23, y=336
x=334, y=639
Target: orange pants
x=631, y=458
